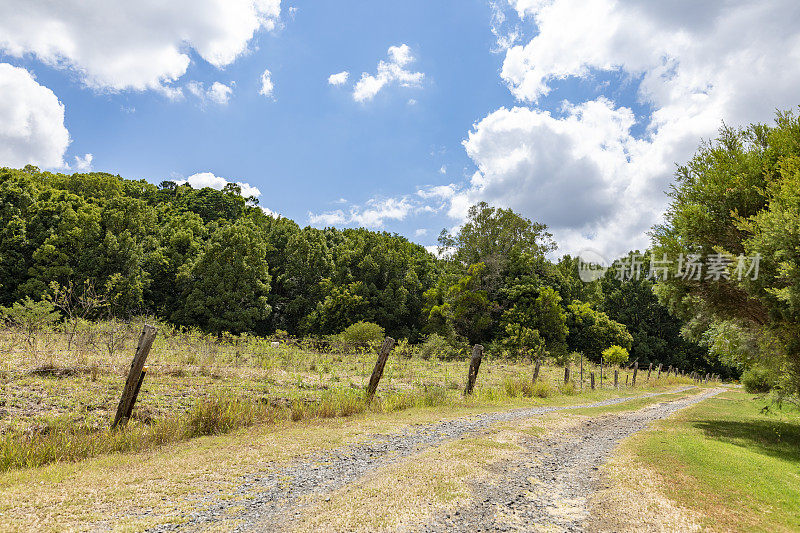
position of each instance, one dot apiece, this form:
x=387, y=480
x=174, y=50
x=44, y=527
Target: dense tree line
x=214, y=260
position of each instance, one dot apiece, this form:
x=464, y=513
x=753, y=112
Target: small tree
x=615, y=355
x=76, y=305
x=525, y=342
x=32, y=318
x=362, y=334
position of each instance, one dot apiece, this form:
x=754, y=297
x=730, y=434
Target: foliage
x=437, y=347
x=739, y=195
x=363, y=334
x=615, y=355
x=591, y=331
x=31, y=317
x=758, y=380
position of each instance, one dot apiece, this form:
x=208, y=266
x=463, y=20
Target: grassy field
x=722, y=465
x=60, y=392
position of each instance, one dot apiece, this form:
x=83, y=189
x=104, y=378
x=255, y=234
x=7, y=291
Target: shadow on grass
x=769, y=437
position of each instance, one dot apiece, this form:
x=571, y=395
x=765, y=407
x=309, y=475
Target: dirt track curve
x=545, y=486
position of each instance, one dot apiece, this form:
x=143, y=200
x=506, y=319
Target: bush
x=362, y=334
x=541, y=389
x=758, y=380
x=615, y=355
x=436, y=346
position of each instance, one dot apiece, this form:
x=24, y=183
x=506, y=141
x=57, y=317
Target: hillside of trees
x=215, y=261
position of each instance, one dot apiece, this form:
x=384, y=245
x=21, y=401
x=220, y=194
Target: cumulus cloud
x=266, y=84
x=594, y=171
x=208, y=179
x=32, y=127
x=84, y=164
x=217, y=93
x=392, y=71
x=115, y=45
x=373, y=215
x=339, y=78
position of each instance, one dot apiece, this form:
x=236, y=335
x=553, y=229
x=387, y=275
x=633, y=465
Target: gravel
x=545, y=487
x=271, y=498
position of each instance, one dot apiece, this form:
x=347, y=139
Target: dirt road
x=543, y=487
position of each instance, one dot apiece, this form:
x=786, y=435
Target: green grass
x=737, y=466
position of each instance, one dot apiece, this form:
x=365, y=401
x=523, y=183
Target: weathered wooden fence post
x=635, y=371
x=616, y=378
x=536, y=370
x=659, y=372
x=377, y=372
x=474, y=365
x=566, y=373
x=591, y=378
x=669, y=370
x=582, y=371
x=626, y=380
x=135, y=376
x=601, y=373
x=649, y=370
x=676, y=371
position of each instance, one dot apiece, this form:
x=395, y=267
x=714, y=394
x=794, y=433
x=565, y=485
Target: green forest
x=213, y=260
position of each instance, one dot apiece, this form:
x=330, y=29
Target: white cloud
x=32, y=127
x=339, y=78
x=328, y=218
x=586, y=171
x=420, y=232
x=443, y=169
x=269, y=212
x=84, y=164
x=116, y=45
x=208, y=179
x=266, y=84
x=393, y=71
x=218, y=93
x=373, y=215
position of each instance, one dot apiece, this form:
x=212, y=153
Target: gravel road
x=271, y=499
x=545, y=487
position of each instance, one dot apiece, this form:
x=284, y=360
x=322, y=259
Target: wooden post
x=582, y=371
x=135, y=393
x=635, y=371
x=474, y=365
x=566, y=373
x=601, y=373
x=669, y=370
x=591, y=378
x=626, y=380
x=616, y=378
x=659, y=372
x=536, y=370
x=377, y=372
x=676, y=371
x=649, y=369
x=135, y=376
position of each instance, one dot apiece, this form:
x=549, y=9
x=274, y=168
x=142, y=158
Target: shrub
x=436, y=346
x=567, y=389
x=362, y=334
x=615, y=355
x=758, y=380
x=541, y=389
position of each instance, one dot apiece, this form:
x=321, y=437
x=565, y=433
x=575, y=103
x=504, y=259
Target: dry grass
x=402, y=496
x=57, y=402
x=631, y=498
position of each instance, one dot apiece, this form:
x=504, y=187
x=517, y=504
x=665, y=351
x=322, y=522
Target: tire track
x=268, y=499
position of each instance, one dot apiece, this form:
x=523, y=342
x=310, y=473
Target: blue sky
x=574, y=113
